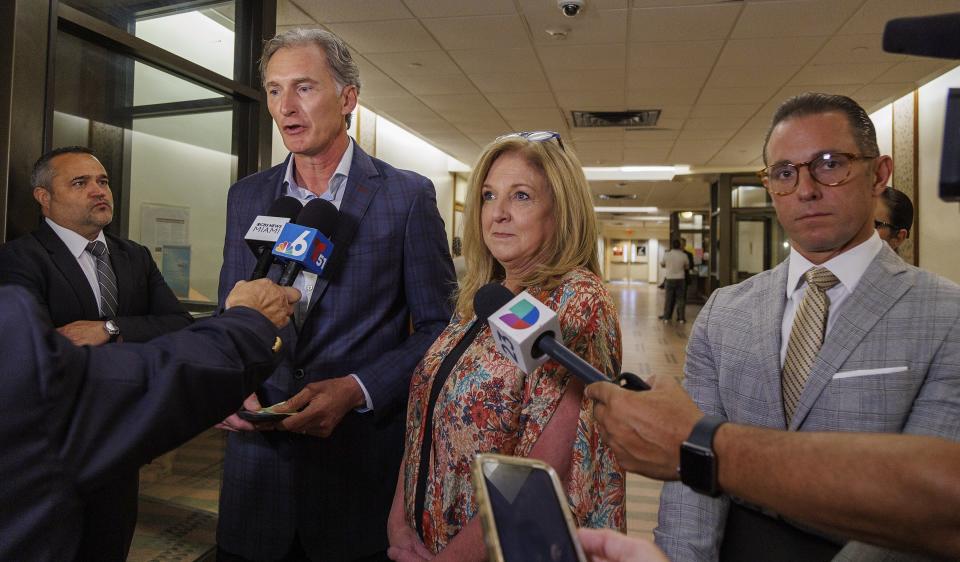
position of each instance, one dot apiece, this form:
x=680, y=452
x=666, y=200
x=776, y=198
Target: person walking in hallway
x=675, y=262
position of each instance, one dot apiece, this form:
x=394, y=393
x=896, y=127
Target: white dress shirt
x=78, y=248
x=848, y=267
x=306, y=281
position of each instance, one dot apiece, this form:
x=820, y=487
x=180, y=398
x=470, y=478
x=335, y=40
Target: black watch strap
x=698, y=462
x=704, y=430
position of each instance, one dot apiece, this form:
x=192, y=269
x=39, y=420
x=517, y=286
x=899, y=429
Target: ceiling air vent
x=615, y=196
x=630, y=118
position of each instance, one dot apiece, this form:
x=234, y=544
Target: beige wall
x=939, y=227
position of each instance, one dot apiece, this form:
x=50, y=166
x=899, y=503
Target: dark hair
x=811, y=103
x=675, y=243
x=342, y=67
x=901, y=208
x=42, y=174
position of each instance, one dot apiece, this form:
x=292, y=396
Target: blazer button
x=298, y=374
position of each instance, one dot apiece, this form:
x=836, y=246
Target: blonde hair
x=574, y=243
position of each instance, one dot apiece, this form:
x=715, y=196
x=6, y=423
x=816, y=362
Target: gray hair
x=864, y=133
x=42, y=173
x=342, y=66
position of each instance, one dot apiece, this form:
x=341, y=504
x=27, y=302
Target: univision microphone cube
x=304, y=245
x=517, y=326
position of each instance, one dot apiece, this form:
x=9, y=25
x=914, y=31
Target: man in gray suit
x=842, y=336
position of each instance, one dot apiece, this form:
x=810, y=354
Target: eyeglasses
x=830, y=169
x=534, y=136
x=880, y=224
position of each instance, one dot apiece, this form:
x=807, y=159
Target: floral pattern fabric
x=487, y=405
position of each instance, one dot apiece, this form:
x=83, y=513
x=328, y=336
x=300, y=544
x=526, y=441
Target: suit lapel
x=885, y=280
x=121, y=268
x=768, y=316
x=70, y=269
x=362, y=185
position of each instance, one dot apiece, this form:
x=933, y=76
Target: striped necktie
x=106, y=279
x=806, y=336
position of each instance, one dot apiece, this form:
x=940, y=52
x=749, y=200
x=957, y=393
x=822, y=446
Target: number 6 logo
x=299, y=246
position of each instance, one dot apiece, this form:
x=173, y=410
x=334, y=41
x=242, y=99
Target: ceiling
x=457, y=73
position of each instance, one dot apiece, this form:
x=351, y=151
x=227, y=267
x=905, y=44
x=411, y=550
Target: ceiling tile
x=705, y=134
x=587, y=80
x=638, y=137
x=597, y=134
x=769, y=51
x=686, y=54
x=738, y=76
x=793, y=18
x=816, y=74
x=521, y=99
x=385, y=36
x=728, y=110
x=454, y=8
x=603, y=26
x=693, y=22
x=605, y=100
x=497, y=60
x=661, y=96
x=330, y=11
x=289, y=14
x=423, y=63
x=477, y=32
x=645, y=156
x=883, y=91
x=915, y=71
x=753, y=94
x=714, y=123
x=667, y=78
x=436, y=85
x=856, y=48
x=510, y=82
x=583, y=57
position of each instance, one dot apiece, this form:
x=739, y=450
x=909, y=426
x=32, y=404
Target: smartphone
x=524, y=511
x=264, y=414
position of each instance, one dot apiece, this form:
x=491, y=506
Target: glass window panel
x=201, y=32
x=170, y=169
x=750, y=196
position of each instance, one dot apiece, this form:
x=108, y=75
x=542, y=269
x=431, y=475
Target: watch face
x=697, y=468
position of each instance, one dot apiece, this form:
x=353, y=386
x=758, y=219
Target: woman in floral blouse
x=529, y=225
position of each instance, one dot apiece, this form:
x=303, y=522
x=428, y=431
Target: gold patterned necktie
x=806, y=336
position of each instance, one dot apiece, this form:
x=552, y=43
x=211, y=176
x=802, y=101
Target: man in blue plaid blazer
x=891, y=350
x=321, y=485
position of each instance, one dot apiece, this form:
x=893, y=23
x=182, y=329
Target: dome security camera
x=571, y=8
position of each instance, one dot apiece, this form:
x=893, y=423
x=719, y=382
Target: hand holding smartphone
x=264, y=415
x=524, y=511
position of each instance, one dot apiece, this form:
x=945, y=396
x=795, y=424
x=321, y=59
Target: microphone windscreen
x=490, y=298
x=929, y=36
x=286, y=207
x=321, y=215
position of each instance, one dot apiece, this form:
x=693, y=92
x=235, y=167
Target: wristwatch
x=698, y=462
x=110, y=326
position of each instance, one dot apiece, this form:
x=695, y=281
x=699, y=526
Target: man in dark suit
x=94, y=288
x=322, y=489
x=77, y=417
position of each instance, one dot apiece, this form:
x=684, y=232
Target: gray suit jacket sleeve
x=690, y=525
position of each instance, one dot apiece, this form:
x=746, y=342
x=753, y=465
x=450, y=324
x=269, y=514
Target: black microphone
x=265, y=229
x=525, y=330
x=318, y=216
x=928, y=36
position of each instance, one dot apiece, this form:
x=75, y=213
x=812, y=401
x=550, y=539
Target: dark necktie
x=106, y=279
x=806, y=336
